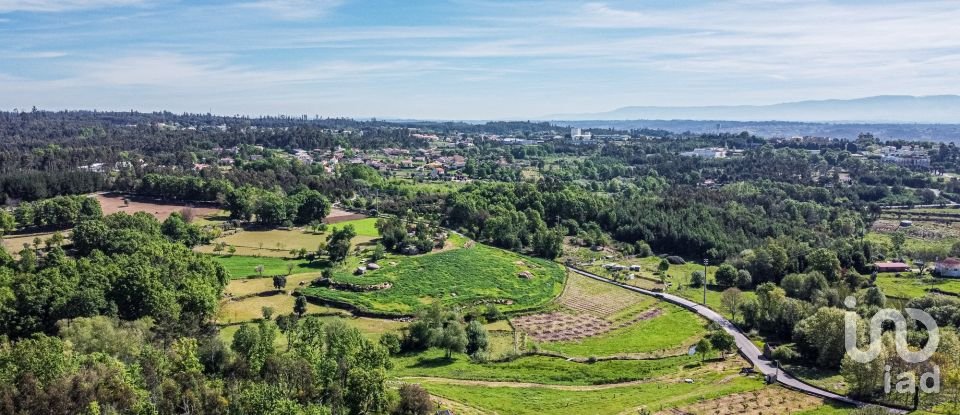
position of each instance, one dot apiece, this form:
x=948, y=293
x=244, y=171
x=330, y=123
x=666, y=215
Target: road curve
x=749, y=350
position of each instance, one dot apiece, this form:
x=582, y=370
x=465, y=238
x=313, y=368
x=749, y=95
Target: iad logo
x=929, y=381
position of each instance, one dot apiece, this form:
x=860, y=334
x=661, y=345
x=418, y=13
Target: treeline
x=59, y=212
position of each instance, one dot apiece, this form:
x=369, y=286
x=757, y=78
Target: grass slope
x=459, y=276
x=537, y=369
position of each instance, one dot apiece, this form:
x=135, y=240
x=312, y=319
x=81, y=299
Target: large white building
x=578, y=134
x=707, y=153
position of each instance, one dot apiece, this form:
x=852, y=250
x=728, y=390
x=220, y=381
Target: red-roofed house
x=891, y=267
x=949, y=267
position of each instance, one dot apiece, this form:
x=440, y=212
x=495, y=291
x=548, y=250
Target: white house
x=949, y=267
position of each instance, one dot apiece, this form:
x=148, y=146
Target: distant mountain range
x=937, y=109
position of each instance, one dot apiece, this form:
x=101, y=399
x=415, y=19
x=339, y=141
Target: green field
x=912, y=244
x=910, y=286
x=675, y=328
x=459, y=276
x=537, y=369
x=542, y=400
x=363, y=227
x=245, y=266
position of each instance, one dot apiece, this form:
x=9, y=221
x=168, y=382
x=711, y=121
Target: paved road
x=747, y=348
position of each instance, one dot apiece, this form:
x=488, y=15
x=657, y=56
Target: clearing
x=279, y=242
x=160, y=209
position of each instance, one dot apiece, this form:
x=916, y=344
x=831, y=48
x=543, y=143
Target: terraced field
x=598, y=319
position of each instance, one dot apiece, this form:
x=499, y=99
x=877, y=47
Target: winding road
x=746, y=347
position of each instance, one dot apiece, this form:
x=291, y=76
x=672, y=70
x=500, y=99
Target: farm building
x=891, y=267
x=949, y=267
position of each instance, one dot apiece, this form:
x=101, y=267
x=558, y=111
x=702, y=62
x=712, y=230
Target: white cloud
x=51, y=6
x=295, y=9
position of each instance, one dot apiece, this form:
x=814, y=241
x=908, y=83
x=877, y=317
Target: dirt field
x=763, y=401
x=161, y=210
x=561, y=326
x=584, y=295
x=339, y=215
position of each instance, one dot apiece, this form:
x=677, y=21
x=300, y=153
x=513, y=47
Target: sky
x=467, y=59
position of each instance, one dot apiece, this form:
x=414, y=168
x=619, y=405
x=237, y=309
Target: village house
x=949, y=267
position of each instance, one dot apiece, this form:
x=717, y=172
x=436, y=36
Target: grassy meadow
x=459, y=276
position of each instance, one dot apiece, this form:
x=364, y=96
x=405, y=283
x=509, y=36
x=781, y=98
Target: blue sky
x=470, y=59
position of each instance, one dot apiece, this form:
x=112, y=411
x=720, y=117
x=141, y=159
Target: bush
x=414, y=400
x=697, y=279
x=726, y=275
x=642, y=249
x=785, y=353
x=391, y=342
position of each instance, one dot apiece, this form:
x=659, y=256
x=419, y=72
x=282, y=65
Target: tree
x=704, y=347
x=898, y=239
x=379, y=251
x=726, y=275
x=731, y=300
x=664, y=266
x=744, y=279
x=865, y=379
x=259, y=270
x=825, y=261
x=338, y=243
x=821, y=337
x=266, y=312
x=279, y=282
x=414, y=400
x=452, y=339
x=7, y=222
x=547, y=243
x=722, y=341
x=476, y=338
x=312, y=207
x=300, y=306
